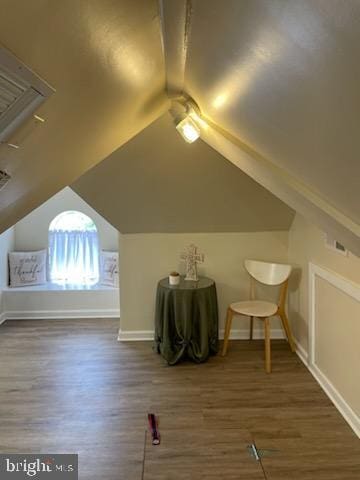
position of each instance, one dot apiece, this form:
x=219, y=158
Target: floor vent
x=4, y=178
x=21, y=93
x=258, y=454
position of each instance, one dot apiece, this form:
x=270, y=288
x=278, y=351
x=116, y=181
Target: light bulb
x=188, y=130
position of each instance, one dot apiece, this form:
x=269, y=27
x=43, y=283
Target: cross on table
x=191, y=258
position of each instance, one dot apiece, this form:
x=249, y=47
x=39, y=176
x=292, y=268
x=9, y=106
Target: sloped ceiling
x=105, y=60
x=283, y=76
x=278, y=83
x=159, y=183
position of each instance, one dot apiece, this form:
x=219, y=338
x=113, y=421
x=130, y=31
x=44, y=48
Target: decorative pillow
x=27, y=268
x=109, y=268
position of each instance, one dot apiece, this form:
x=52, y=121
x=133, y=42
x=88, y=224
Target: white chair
x=267, y=274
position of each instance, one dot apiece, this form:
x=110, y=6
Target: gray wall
x=158, y=183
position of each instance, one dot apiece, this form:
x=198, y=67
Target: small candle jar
x=174, y=278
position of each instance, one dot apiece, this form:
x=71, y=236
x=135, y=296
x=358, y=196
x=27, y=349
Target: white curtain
x=74, y=257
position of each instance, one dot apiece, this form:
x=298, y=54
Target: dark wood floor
x=70, y=387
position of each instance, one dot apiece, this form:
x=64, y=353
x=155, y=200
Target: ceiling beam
x=175, y=21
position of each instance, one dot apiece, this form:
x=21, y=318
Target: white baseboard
x=141, y=335
x=337, y=399
x=135, y=335
x=58, y=314
x=302, y=353
x=2, y=317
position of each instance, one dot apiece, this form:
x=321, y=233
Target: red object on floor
x=153, y=426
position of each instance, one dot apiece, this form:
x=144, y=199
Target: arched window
x=73, y=249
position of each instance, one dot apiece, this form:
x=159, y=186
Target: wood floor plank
x=192, y=453
x=69, y=386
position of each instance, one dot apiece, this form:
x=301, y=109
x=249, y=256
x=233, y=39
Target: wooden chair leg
x=251, y=328
x=227, y=331
x=287, y=329
x=267, y=346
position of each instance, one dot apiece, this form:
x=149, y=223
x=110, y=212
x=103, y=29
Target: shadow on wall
x=299, y=324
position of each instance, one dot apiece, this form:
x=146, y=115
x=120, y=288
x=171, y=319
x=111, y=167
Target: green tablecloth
x=186, y=320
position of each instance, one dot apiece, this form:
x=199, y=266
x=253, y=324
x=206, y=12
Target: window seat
x=60, y=301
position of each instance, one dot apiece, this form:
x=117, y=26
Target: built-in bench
x=60, y=301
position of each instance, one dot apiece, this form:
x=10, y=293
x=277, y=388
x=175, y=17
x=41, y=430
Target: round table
x=186, y=320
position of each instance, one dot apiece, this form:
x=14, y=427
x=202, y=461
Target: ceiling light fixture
x=188, y=130
x=187, y=118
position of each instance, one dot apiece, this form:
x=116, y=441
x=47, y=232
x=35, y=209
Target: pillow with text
x=27, y=268
x=109, y=269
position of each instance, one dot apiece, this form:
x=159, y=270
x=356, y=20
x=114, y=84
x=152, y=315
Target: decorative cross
x=191, y=258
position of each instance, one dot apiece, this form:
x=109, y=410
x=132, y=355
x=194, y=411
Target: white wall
x=31, y=233
x=335, y=315
x=306, y=244
x=146, y=258
x=7, y=241
x=337, y=339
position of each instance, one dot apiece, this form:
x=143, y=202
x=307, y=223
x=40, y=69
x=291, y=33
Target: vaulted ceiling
x=277, y=83
x=283, y=77
x=105, y=60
